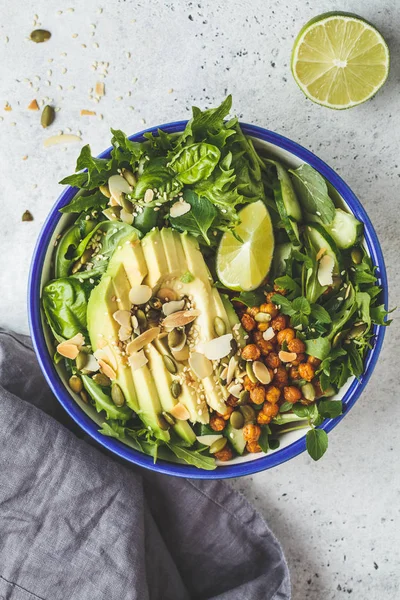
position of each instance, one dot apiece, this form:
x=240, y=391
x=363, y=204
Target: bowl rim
x=122, y=450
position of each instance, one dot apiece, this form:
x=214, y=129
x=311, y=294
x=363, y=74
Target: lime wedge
x=243, y=265
x=339, y=60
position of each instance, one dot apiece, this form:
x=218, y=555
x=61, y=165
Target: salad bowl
x=293, y=442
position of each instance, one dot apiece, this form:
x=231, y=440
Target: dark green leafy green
x=329, y=409
x=65, y=304
x=289, y=284
x=318, y=347
x=195, y=162
x=193, y=457
x=103, y=401
x=198, y=220
x=316, y=443
x=250, y=298
x=95, y=201
x=319, y=313
x=313, y=192
x=379, y=315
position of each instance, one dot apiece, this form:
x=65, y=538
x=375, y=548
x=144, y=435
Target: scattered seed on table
x=27, y=216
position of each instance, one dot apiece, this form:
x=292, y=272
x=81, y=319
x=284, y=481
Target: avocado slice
x=234, y=320
x=130, y=255
x=153, y=251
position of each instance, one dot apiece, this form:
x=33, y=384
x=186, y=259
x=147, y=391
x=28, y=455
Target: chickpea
x=270, y=410
x=273, y=361
x=251, y=352
x=248, y=384
x=306, y=371
x=253, y=311
x=265, y=347
x=251, y=432
x=296, y=345
x=263, y=419
x=279, y=323
x=262, y=327
x=272, y=394
x=257, y=395
x=280, y=377
x=270, y=309
x=315, y=362
x=291, y=394
x=248, y=322
x=217, y=423
x=257, y=336
x=253, y=447
x=231, y=401
x=224, y=454
x=298, y=360
x=225, y=416
x=294, y=373
x=285, y=335
x=269, y=296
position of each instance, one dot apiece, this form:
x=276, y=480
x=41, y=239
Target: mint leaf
x=313, y=193
x=319, y=313
x=285, y=407
x=316, y=443
x=329, y=409
x=318, y=347
x=199, y=218
x=309, y=412
x=301, y=305
x=284, y=303
x=250, y=299
x=289, y=284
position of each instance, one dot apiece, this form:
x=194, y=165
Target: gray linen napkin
x=76, y=524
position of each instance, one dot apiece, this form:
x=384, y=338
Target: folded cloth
x=75, y=524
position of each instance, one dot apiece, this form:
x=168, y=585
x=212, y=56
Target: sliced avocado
x=153, y=250
x=234, y=320
x=235, y=436
x=130, y=255
x=175, y=256
x=195, y=261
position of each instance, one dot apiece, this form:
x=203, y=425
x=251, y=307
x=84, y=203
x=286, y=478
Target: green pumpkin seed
x=105, y=190
x=102, y=379
x=218, y=445
x=142, y=320
x=112, y=213
x=221, y=369
x=86, y=256
x=176, y=389
x=27, y=216
x=339, y=337
x=129, y=177
x=126, y=204
x=176, y=339
x=357, y=331
x=244, y=398
x=84, y=396
x=248, y=413
x=250, y=373
x=48, y=116
x=153, y=316
x=117, y=395
x=155, y=303
x=75, y=383
x=170, y=364
x=308, y=391
x=81, y=361
x=262, y=317
x=40, y=35
x=162, y=423
x=234, y=348
x=356, y=256
x=76, y=266
x=219, y=326
x=169, y=418
x=236, y=420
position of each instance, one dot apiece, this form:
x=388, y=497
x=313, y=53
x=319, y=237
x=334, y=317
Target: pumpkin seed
x=356, y=256
x=75, y=383
x=84, y=396
x=176, y=339
x=40, y=35
x=219, y=326
x=155, y=303
x=129, y=177
x=176, y=389
x=170, y=364
x=81, y=361
x=86, y=256
x=308, y=391
x=236, y=420
x=117, y=395
x=48, y=116
x=105, y=190
x=112, y=213
x=356, y=331
x=153, y=317
x=141, y=317
x=162, y=422
x=222, y=373
x=248, y=413
x=218, y=445
x=261, y=317
x=102, y=379
x=126, y=204
x=339, y=337
x=244, y=397
x=250, y=372
x=27, y=216
x=166, y=294
x=76, y=266
x=234, y=347
x=169, y=418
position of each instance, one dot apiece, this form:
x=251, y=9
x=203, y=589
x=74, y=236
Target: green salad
x=205, y=298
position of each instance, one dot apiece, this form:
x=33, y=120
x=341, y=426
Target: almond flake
x=287, y=357
x=107, y=370
x=268, y=334
x=233, y=363
x=181, y=318
x=218, y=348
x=122, y=317
x=7, y=107
x=118, y=186
x=181, y=355
x=180, y=412
x=55, y=140
x=149, y=195
x=166, y=294
x=140, y=294
x=137, y=360
x=235, y=389
x=68, y=350
x=179, y=208
x=124, y=333
x=200, y=365
x=33, y=105
x=142, y=340
x=99, y=88
x=325, y=270
x=91, y=365
x=172, y=307
x=106, y=354
x=87, y=113
x=261, y=372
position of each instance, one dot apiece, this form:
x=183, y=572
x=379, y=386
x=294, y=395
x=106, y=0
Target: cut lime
x=243, y=265
x=339, y=60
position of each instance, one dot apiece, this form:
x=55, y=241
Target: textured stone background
x=338, y=520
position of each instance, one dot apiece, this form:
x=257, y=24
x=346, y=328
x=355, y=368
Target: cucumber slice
x=281, y=254
x=235, y=436
x=289, y=224
x=292, y=205
x=345, y=229
x=319, y=238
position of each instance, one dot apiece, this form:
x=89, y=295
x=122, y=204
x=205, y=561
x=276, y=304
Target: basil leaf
x=250, y=299
x=313, y=192
x=319, y=347
x=192, y=457
x=199, y=218
x=285, y=407
x=66, y=249
x=82, y=203
x=329, y=409
x=65, y=303
x=157, y=175
x=319, y=313
x=316, y=443
x=309, y=412
x=196, y=162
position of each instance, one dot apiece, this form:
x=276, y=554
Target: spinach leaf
x=250, y=299
x=157, y=175
x=104, y=402
x=318, y=347
x=193, y=457
x=319, y=313
x=195, y=162
x=82, y=203
x=66, y=249
x=316, y=443
x=124, y=150
x=64, y=304
x=329, y=409
x=313, y=192
x=113, y=235
x=199, y=218
x=207, y=121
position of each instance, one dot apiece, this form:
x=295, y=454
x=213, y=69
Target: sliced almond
x=78, y=340
x=112, y=202
x=66, y=138
x=148, y=195
x=99, y=88
x=33, y=105
x=87, y=113
x=320, y=253
x=261, y=372
x=287, y=357
x=233, y=363
x=179, y=208
x=107, y=355
x=123, y=317
x=218, y=348
x=235, y=389
x=181, y=318
x=126, y=217
x=172, y=307
x=140, y=294
x=181, y=355
x=142, y=340
x=124, y=333
x=91, y=365
x=118, y=186
x=167, y=294
x=137, y=360
x=269, y=334
x=68, y=350
x=180, y=412
x=325, y=270
x=107, y=370
x=200, y=365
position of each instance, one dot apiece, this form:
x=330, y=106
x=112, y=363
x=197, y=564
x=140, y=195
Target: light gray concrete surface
x=338, y=520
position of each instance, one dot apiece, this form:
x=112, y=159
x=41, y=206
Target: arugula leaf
x=289, y=284
x=195, y=162
x=316, y=443
x=363, y=277
x=124, y=150
x=250, y=299
x=379, y=314
x=313, y=192
x=355, y=361
x=87, y=161
x=318, y=347
x=319, y=313
x=78, y=180
x=211, y=120
x=363, y=301
x=82, y=203
x=65, y=303
x=199, y=218
x=103, y=401
x=329, y=409
x=193, y=457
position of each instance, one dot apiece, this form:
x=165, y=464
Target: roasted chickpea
x=296, y=345
x=280, y=377
x=262, y=327
x=271, y=410
x=251, y=432
x=291, y=394
x=285, y=335
x=257, y=395
x=315, y=362
x=217, y=423
x=253, y=311
x=306, y=371
x=248, y=384
x=272, y=360
x=231, y=401
x=265, y=347
x=251, y=352
x=272, y=394
x=270, y=308
x=294, y=373
x=300, y=358
x=257, y=336
x=263, y=419
x=248, y=322
x=225, y=416
x=253, y=447
x=224, y=454
x=279, y=323
x=268, y=296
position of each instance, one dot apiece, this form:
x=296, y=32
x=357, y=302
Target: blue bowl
x=287, y=150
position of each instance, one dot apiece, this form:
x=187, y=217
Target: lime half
x=339, y=60
x=243, y=265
